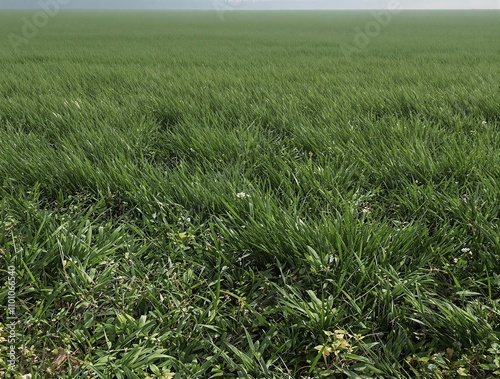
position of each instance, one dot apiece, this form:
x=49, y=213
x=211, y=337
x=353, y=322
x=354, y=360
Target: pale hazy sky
x=253, y=4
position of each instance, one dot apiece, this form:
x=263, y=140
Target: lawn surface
x=256, y=195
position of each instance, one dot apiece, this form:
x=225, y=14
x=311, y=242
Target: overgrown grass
x=188, y=198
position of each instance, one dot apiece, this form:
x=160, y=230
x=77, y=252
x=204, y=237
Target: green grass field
x=189, y=197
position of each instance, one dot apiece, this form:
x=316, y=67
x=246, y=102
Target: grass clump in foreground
x=189, y=198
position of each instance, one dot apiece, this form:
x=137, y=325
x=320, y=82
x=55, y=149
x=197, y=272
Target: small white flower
x=366, y=210
x=465, y=250
x=242, y=195
x=455, y=260
x=484, y=123
x=431, y=367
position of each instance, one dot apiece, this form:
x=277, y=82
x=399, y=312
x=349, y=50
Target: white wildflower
x=431, y=367
x=242, y=195
x=465, y=250
x=484, y=123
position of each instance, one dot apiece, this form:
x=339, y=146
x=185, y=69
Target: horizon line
x=253, y=10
